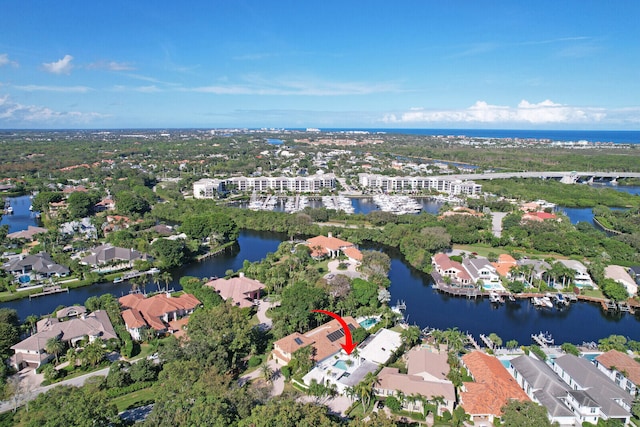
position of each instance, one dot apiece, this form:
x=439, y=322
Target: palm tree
x=72, y=357
x=32, y=321
x=156, y=280
x=54, y=346
x=364, y=389
x=350, y=392
x=455, y=339
x=410, y=336
x=266, y=371
x=92, y=354
x=166, y=278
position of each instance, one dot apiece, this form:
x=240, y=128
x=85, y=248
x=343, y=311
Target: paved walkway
x=338, y=405
x=496, y=222
x=27, y=391
x=265, y=322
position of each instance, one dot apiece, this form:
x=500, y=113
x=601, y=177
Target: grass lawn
x=128, y=400
x=592, y=293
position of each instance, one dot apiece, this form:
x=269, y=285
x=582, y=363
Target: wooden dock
x=49, y=291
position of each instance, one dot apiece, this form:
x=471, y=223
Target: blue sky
x=562, y=64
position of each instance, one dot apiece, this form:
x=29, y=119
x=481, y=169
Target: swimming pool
x=24, y=279
x=505, y=363
x=369, y=322
x=341, y=364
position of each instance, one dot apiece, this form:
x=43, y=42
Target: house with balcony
x=481, y=271
x=622, y=369
x=593, y=395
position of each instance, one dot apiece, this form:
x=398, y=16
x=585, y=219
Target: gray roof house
x=39, y=265
x=481, y=269
x=31, y=351
x=593, y=393
x=104, y=254
x=543, y=386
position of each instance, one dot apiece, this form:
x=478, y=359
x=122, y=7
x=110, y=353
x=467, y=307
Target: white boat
x=9, y=210
x=546, y=301
x=495, y=298
x=118, y=280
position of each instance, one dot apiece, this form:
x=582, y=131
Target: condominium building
x=419, y=183
x=206, y=188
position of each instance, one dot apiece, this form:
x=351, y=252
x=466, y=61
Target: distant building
x=620, y=275
x=208, y=188
x=419, y=183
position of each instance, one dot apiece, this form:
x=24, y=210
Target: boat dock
x=455, y=290
x=490, y=344
x=543, y=339
x=50, y=290
x=473, y=342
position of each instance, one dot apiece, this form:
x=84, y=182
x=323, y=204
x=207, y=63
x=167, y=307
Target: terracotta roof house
x=154, y=312
x=241, y=290
x=326, y=340
x=543, y=386
x=493, y=387
x=330, y=246
x=538, y=216
x=621, y=369
x=39, y=266
x=592, y=391
x=504, y=264
x=28, y=234
x=31, y=351
x=104, y=254
x=426, y=377
x=453, y=269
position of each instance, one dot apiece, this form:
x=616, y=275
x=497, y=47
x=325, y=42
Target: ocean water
x=603, y=136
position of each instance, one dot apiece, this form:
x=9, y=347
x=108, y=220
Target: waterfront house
x=325, y=339
x=332, y=247
x=155, y=312
x=38, y=266
x=492, y=388
x=105, y=254
x=504, y=264
x=28, y=234
x=620, y=275
x=481, y=270
x=241, y=290
x=73, y=311
x=538, y=216
x=452, y=269
x=582, y=278
x=344, y=370
x=535, y=269
x=621, y=369
x=543, y=386
x=593, y=394
x=426, y=376
x=31, y=351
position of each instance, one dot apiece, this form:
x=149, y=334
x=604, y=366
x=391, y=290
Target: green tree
x=54, y=346
x=512, y=344
x=287, y=412
x=170, y=253
x=411, y=336
x=129, y=203
x=570, y=349
x=525, y=414
x=495, y=339
x=614, y=290
x=613, y=342
x=92, y=354
x=80, y=204
x=9, y=332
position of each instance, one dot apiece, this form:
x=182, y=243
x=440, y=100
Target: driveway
x=349, y=272
x=277, y=380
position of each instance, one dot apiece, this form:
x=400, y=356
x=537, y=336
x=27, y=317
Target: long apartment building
x=419, y=183
x=207, y=188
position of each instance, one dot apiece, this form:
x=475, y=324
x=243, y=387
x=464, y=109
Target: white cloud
x=14, y=113
x=256, y=85
x=4, y=60
x=111, y=66
x=63, y=89
x=481, y=112
x=62, y=66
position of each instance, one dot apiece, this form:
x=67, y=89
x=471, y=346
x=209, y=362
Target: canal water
x=22, y=217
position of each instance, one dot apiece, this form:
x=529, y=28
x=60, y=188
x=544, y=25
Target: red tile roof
x=238, y=289
x=155, y=307
x=493, y=386
x=621, y=362
x=133, y=319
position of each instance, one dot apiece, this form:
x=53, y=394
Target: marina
x=399, y=205
x=338, y=203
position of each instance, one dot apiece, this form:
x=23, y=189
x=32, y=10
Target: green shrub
x=255, y=361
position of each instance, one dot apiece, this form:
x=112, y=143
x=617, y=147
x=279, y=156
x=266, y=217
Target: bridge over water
x=567, y=177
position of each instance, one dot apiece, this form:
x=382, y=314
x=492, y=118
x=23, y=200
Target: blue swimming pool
x=505, y=363
x=369, y=322
x=24, y=279
x=340, y=364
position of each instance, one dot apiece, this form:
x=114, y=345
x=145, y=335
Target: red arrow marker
x=349, y=346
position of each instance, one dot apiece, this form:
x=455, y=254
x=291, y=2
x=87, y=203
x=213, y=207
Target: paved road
x=27, y=395
x=496, y=223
